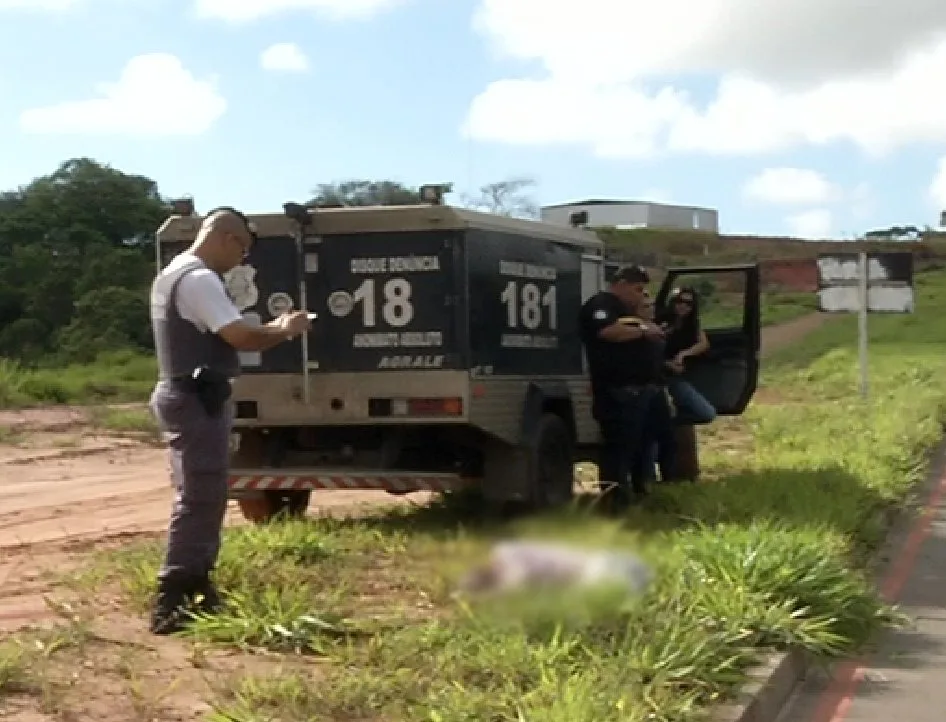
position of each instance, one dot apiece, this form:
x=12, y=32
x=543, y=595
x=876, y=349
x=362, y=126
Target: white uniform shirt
x=201, y=297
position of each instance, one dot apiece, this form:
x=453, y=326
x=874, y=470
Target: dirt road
x=62, y=489
x=785, y=334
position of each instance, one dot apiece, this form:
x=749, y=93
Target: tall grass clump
x=114, y=377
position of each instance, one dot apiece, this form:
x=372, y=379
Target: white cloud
x=806, y=187
x=798, y=41
x=249, y=10
x=154, y=96
x=938, y=185
x=792, y=73
x=790, y=186
x=284, y=56
x=814, y=224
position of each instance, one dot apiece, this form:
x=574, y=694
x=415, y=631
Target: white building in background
x=634, y=214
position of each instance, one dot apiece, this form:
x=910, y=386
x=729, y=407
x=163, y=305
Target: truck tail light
x=435, y=407
x=452, y=406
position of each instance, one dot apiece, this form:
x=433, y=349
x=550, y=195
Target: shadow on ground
x=828, y=497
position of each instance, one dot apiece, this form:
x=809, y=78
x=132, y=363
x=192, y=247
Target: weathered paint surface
x=880, y=299
x=890, y=283
x=833, y=269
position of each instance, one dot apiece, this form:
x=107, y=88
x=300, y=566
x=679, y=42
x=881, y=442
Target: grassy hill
x=675, y=247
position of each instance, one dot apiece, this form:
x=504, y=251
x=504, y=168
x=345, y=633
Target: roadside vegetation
x=77, y=255
x=770, y=550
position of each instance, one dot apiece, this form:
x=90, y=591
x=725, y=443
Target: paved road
x=904, y=678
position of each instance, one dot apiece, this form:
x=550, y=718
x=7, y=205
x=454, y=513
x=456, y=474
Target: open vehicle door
x=730, y=310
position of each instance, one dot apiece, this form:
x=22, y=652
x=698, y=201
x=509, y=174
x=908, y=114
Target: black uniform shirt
x=679, y=339
x=614, y=364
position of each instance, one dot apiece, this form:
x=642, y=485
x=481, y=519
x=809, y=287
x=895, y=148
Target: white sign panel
x=889, y=283
x=880, y=299
x=862, y=283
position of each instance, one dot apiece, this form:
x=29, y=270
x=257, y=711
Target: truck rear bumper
x=244, y=482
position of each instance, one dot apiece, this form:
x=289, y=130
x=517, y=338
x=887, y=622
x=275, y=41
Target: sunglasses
x=685, y=301
x=244, y=247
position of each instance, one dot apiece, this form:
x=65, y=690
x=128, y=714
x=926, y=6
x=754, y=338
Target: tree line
x=77, y=254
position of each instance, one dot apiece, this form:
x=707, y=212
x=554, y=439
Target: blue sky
x=389, y=93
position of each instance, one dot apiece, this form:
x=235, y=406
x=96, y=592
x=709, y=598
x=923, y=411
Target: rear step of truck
x=395, y=482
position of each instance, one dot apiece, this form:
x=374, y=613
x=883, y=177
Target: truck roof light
x=183, y=206
x=433, y=193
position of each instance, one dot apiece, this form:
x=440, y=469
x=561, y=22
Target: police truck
x=444, y=354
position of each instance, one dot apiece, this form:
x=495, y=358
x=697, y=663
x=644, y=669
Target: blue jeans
x=631, y=422
x=690, y=403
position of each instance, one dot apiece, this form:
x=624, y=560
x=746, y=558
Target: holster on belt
x=211, y=387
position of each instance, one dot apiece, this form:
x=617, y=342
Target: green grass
x=13, y=669
x=10, y=435
x=116, y=377
x=726, y=310
x=27, y=658
x=136, y=421
x=770, y=552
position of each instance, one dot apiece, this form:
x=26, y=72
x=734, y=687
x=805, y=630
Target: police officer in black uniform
x=624, y=378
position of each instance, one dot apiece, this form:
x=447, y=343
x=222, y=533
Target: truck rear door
x=386, y=300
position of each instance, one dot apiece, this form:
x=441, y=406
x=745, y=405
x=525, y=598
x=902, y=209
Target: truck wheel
x=265, y=508
x=553, y=474
x=255, y=509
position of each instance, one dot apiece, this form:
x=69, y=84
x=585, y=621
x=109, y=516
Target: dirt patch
x=785, y=334
x=64, y=489
x=54, y=419
x=112, y=670
x=64, y=492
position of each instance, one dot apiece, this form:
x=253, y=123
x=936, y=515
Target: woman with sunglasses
x=685, y=339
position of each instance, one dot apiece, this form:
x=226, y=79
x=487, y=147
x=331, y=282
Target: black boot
x=169, y=615
x=209, y=602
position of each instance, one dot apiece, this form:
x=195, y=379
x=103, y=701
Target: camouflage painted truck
x=445, y=355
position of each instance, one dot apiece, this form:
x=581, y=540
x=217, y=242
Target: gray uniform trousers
x=199, y=455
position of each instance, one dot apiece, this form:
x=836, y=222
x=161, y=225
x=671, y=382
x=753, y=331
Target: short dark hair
x=631, y=274
x=250, y=228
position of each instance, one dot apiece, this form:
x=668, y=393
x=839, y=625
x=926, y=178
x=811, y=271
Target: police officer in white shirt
x=197, y=334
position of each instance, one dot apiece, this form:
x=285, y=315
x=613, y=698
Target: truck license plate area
x=415, y=407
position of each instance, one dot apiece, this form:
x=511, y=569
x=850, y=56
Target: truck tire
x=265, y=508
x=552, y=464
